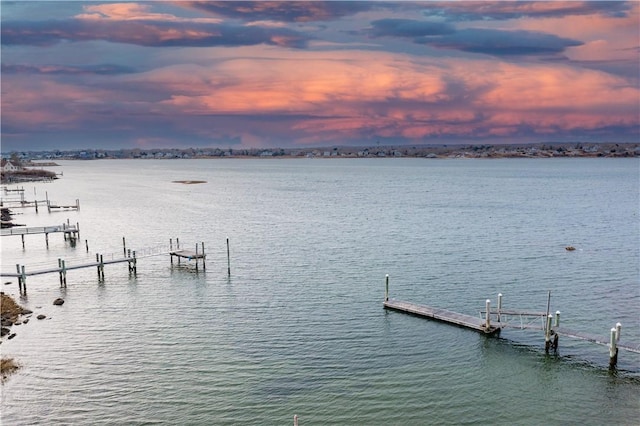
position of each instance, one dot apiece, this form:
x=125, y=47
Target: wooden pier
x=187, y=254
x=71, y=232
x=462, y=320
x=129, y=256
x=23, y=203
x=75, y=206
x=490, y=322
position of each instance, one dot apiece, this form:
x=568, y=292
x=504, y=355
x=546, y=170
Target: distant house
x=8, y=166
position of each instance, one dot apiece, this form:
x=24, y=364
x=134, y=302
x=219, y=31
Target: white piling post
x=295, y=420
x=613, y=350
x=386, y=288
x=618, y=330
x=499, y=305
x=557, y=319
x=488, y=319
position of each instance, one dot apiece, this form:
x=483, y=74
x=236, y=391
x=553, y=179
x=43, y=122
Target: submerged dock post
x=386, y=288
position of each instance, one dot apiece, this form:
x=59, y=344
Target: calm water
x=298, y=327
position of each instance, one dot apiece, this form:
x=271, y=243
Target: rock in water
x=41, y=316
x=59, y=301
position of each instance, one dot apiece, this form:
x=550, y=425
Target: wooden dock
x=196, y=255
x=65, y=228
x=127, y=255
x=490, y=322
x=71, y=232
x=455, y=318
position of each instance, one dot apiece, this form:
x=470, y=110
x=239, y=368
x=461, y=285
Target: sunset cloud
x=273, y=74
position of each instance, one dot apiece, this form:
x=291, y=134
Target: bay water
x=298, y=326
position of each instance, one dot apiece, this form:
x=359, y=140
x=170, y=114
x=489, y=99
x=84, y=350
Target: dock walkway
x=67, y=229
x=462, y=320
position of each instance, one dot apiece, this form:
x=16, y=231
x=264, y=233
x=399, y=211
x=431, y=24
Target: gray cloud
x=473, y=40
x=100, y=69
x=500, y=42
x=148, y=33
x=408, y=28
x=501, y=10
x=287, y=11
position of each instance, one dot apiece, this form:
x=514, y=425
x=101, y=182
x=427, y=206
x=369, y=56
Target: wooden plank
x=466, y=321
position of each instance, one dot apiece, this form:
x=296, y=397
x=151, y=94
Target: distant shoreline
x=537, y=150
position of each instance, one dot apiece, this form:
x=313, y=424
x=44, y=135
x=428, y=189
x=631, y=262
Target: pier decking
x=462, y=320
x=71, y=232
x=65, y=228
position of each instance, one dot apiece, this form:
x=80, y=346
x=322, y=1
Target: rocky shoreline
x=13, y=315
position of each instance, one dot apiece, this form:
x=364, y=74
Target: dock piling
x=24, y=279
x=488, y=317
x=386, y=288
x=547, y=334
x=124, y=246
x=101, y=268
x=613, y=350
x=134, y=263
x=204, y=257
x=64, y=273
x=228, y=259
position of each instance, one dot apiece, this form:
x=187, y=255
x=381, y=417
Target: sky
x=264, y=74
